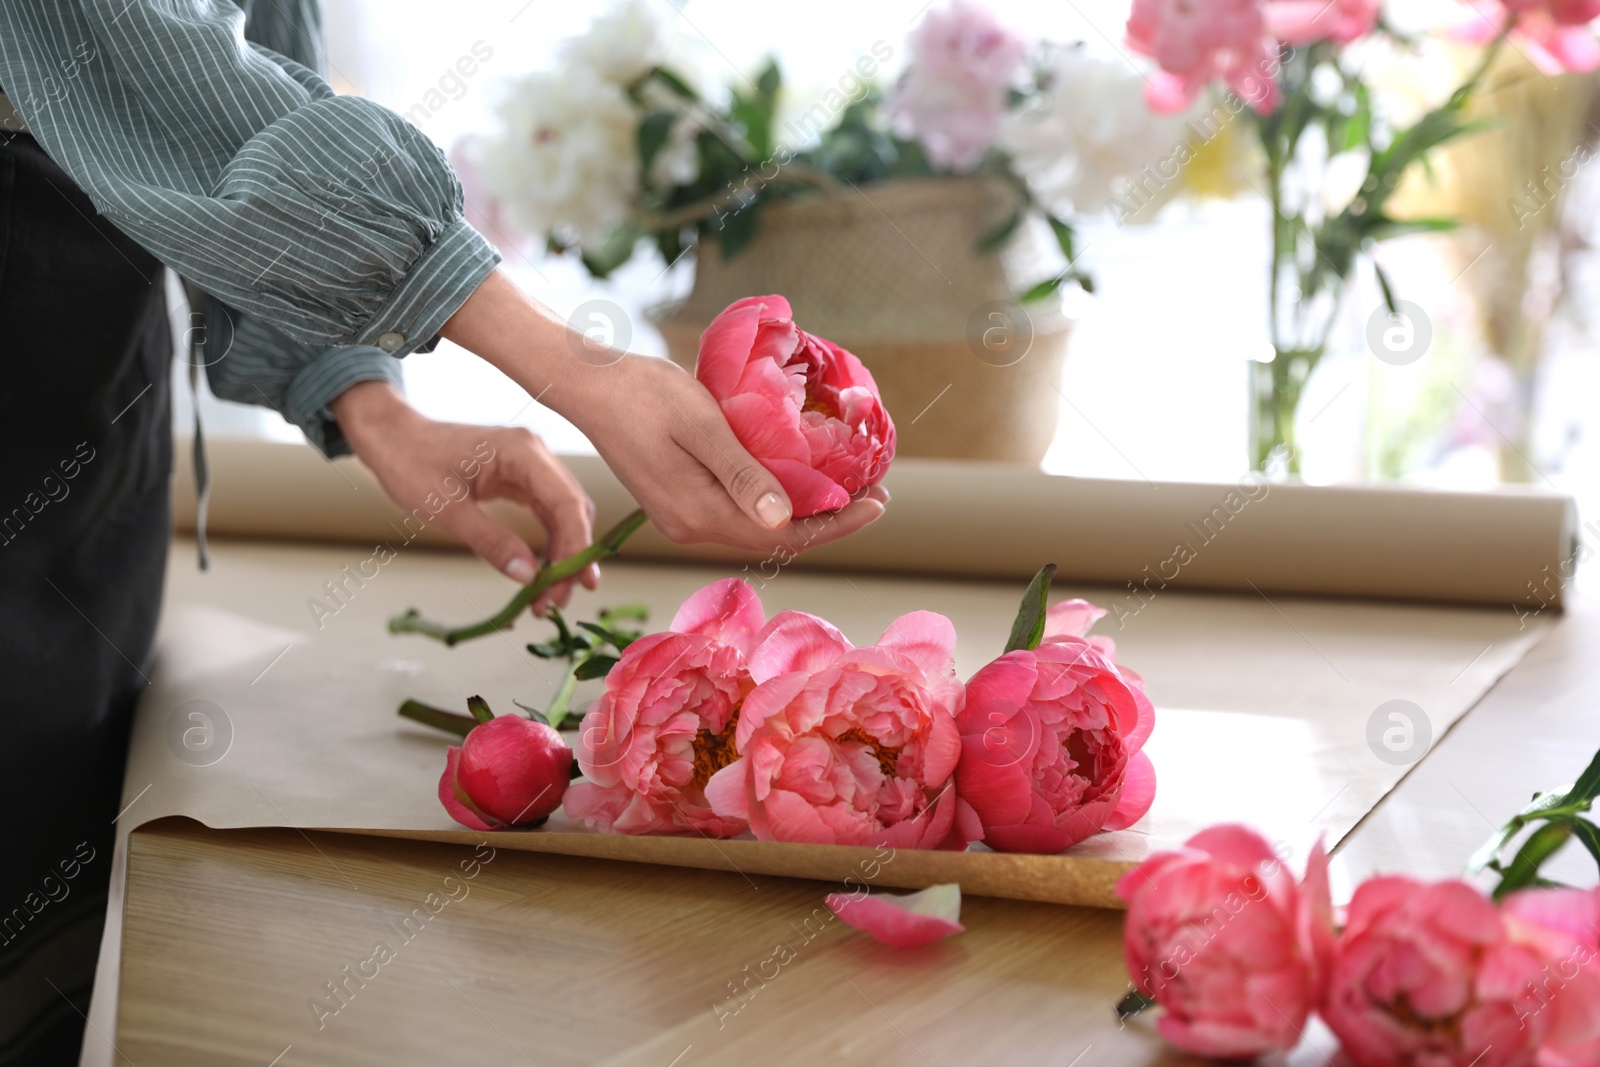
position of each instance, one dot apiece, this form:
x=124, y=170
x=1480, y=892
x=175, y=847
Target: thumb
x=754, y=488
x=492, y=541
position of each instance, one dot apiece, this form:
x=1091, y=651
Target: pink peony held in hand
x=1220, y=935
x=952, y=97
x=1432, y=973
x=803, y=406
x=1051, y=740
x=849, y=746
x=666, y=721
x=509, y=771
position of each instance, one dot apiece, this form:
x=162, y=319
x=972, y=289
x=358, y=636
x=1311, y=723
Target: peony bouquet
x=1332, y=160
x=623, y=143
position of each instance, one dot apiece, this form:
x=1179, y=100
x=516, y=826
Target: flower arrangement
x=620, y=144
x=1294, y=69
x=1239, y=953
x=729, y=722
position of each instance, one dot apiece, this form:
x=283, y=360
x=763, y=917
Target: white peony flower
x=1080, y=144
x=565, y=158
x=622, y=44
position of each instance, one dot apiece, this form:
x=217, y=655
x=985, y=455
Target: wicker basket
x=892, y=272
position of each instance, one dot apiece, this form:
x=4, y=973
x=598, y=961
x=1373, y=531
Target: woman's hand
x=666, y=439
x=659, y=430
x=441, y=471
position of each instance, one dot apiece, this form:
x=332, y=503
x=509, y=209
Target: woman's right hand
x=658, y=429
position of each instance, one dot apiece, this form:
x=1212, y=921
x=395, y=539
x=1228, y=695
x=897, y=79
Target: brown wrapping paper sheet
x=979, y=520
x=1263, y=704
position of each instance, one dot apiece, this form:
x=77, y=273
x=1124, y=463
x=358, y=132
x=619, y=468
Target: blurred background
x=1156, y=380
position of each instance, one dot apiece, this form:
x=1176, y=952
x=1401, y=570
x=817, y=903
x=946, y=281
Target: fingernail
x=520, y=570
x=773, y=511
x=880, y=494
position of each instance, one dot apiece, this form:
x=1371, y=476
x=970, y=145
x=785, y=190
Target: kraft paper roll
x=1514, y=547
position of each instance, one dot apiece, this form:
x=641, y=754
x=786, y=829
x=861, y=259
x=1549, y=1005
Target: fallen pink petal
x=903, y=920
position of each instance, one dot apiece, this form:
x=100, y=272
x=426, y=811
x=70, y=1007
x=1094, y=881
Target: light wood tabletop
x=276, y=947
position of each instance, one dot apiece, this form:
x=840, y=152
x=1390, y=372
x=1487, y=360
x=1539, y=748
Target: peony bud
x=509, y=771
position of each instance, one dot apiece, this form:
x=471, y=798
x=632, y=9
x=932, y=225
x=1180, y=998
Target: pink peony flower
x=1051, y=740
x=803, y=406
x=509, y=771
x=665, y=723
x=1563, y=925
x=1432, y=973
x=849, y=746
x=908, y=920
x=952, y=97
x=1220, y=935
x=1555, y=34
x=1303, y=22
x=1197, y=42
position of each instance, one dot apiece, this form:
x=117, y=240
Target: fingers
x=753, y=488
x=493, y=542
x=815, y=530
x=533, y=476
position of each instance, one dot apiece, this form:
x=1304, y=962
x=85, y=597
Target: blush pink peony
x=952, y=97
x=803, y=406
x=665, y=723
x=1554, y=34
x=1303, y=22
x=1222, y=937
x=509, y=771
x=1197, y=42
x=1052, y=740
x=849, y=746
x=1433, y=973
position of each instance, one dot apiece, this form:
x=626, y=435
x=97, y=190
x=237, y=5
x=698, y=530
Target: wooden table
x=231, y=938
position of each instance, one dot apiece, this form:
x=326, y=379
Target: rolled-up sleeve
x=329, y=218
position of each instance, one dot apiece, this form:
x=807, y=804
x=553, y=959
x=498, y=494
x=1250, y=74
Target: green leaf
x=1028, y=628
x=1066, y=239
x=1540, y=846
x=998, y=236
x=533, y=713
x=598, y=667
x=1388, y=290
x=1382, y=228
x=1587, y=787
x=480, y=709
x=1042, y=291
x=1589, y=834
x=612, y=637
x=654, y=130
x=613, y=252
x=675, y=83
x=770, y=80
x=739, y=228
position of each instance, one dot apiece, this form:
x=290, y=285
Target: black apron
x=85, y=459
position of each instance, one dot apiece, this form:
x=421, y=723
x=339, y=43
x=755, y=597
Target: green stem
x=559, y=704
x=552, y=574
x=448, y=721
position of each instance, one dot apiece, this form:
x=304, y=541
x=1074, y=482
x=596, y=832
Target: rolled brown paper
x=1513, y=547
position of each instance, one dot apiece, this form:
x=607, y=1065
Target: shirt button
x=391, y=341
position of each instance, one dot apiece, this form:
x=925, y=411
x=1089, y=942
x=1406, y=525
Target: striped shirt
x=327, y=231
